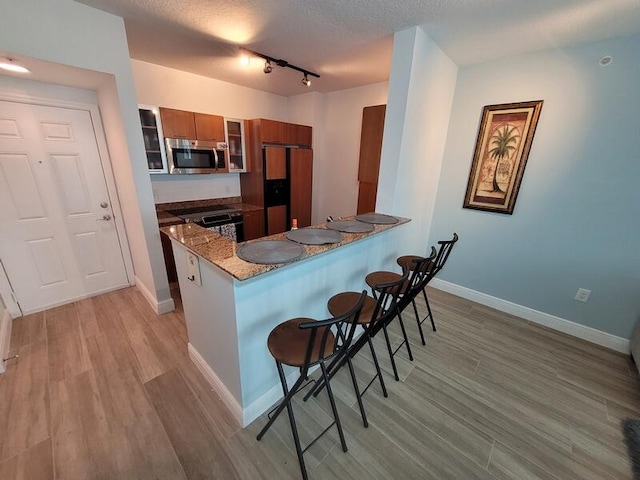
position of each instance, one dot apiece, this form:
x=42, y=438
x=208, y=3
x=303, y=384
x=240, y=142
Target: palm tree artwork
x=503, y=143
x=500, y=156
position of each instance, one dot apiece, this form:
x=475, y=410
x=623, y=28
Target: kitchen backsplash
x=180, y=188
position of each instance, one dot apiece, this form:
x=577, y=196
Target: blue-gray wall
x=576, y=220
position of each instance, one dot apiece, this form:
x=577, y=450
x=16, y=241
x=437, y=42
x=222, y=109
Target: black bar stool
x=420, y=268
x=443, y=254
x=375, y=315
x=305, y=343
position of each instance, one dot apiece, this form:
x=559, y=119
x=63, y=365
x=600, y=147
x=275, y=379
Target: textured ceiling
x=349, y=42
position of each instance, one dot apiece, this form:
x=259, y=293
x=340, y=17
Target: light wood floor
x=103, y=388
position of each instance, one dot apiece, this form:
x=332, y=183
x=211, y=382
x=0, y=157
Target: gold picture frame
x=502, y=148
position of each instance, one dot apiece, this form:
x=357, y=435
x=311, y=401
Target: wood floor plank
x=28, y=329
x=24, y=409
x=149, y=354
x=201, y=452
x=66, y=344
x=123, y=397
x=506, y=464
x=35, y=463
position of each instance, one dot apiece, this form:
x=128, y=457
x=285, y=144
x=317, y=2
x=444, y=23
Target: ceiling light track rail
x=270, y=61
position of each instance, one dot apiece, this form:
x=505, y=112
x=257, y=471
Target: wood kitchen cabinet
x=273, y=131
x=300, y=135
x=274, y=169
x=169, y=261
x=178, y=123
x=301, y=170
x=370, y=151
x=253, y=224
x=209, y=127
x=191, y=125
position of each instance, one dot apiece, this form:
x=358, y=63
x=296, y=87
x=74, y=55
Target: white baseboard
x=574, y=329
x=262, y=404
x=5, y=337
x=227, y=398
x=160, y=307
x=244, y=417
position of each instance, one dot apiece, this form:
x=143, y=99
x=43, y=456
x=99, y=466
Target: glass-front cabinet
x=234, y=133
x=153, y=139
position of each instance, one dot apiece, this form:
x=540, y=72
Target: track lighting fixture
x=269, y=61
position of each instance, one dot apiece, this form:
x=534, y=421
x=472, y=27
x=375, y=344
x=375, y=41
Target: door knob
x=105, y=218
x=104, y=205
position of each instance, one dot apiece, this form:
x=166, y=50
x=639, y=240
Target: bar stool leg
x=288, y=394
x=393, y=361
x=404, y=334
x=426, y=300
x=377, y=365
x=358, y=395
x=415, y=310
x=286, y=402
x=333, y=408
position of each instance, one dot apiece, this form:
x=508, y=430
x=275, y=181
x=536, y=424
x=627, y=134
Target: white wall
x=421, y=87
x=74, y=36
x=336, y=169
x=168, y=87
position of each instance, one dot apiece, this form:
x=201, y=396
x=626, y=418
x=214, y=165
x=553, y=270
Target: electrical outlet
x=583, y=295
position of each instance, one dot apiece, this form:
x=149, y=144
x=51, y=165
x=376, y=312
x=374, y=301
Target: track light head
x=268, y=68
x=305, y=80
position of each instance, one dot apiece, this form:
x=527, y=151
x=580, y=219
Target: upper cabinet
x=282, y=133
x=152, y=133
x=272, y=131
x=234, y=135
x=178, y=123
x=193, y=126
x=300, y=135
x=209, y=127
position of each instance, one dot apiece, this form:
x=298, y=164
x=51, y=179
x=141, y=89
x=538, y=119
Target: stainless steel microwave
x=195, y=156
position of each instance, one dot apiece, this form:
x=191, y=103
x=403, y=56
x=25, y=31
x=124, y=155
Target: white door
x=58, y=239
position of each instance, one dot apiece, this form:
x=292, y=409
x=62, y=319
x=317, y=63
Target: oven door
x=192, y=156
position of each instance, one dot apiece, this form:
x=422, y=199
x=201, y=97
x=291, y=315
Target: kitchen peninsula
x=232, y=305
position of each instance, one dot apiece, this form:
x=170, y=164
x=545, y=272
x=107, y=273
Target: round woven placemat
x=350, y=226
x=314, y=236
x=268, y=252
x=377, y=218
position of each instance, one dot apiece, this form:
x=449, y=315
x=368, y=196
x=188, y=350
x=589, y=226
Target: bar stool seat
x=288, y=343
x=343, y=302
x=408, y=261
x=383, y=277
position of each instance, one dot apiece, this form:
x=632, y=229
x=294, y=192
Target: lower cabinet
x=169, y=261
x=253, y=224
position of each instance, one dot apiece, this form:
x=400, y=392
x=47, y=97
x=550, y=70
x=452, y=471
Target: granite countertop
x=221, y=252
x=165, y=218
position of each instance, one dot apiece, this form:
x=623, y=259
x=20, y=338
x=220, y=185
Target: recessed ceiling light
x=606, y=60
x=11, y=65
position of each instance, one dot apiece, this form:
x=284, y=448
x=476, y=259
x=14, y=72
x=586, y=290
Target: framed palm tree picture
x=502, y=148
